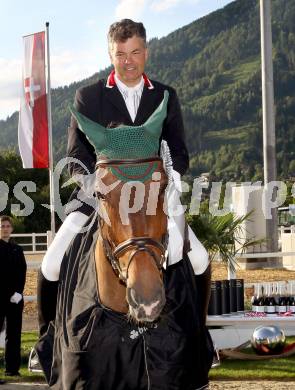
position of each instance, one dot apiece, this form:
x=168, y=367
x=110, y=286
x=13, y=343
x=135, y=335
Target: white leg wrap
x=175, y=243
x=52, y=260
x=198, y=255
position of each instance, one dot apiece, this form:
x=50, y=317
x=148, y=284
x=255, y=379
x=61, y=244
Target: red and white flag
x=33, y=119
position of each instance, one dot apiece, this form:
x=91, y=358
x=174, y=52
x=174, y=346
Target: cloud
x=65, y=67
x=10, y=81
x=131, y=9
x=68, y=66
x=10, y=77
x=8, y=107
x=164, y=5
x=9, y=97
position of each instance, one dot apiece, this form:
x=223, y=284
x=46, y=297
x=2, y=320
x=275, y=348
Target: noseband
x=137, y=244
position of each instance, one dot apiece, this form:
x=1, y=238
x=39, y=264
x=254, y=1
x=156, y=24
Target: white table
x=231, y=330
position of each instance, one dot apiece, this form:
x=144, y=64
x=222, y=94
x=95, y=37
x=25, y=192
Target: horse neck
x=111, y=292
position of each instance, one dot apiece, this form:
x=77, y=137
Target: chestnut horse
x=129, y=257
x=114, y=272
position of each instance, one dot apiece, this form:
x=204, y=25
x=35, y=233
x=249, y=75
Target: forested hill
x=214, y=63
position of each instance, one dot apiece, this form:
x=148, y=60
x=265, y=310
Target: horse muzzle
x=143, y=310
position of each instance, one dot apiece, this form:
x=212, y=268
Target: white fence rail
x=33, y=242
x=37, y=243
x=36, y=264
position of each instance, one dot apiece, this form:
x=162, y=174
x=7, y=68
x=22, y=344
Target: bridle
x=137, y=244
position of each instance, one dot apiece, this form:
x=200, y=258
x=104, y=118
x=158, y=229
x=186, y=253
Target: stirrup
x=33, y=363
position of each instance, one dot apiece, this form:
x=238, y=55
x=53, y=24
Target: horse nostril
x=131, y=297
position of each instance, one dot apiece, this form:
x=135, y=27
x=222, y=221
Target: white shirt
x=131, y=95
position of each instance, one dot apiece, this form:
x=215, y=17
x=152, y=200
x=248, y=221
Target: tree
x=11, y=173
x=221, y=235
x=292, y=168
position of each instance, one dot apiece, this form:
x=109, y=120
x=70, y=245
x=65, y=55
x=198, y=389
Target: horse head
x=130, y=254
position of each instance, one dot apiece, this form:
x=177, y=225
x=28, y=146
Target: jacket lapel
x=148, y=103
x=115, y=98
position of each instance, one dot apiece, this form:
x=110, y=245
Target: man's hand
x=177, y=180
x=16, y=298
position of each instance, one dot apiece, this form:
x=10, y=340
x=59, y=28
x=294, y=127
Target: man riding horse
x=127, y=100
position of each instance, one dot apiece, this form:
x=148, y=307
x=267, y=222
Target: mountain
x=214, y=63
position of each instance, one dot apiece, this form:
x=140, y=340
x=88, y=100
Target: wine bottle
x=282, y=299
x=276, y=296
x=269, y=302
x=291, y=301
x=254, y=299
x=258, y=299
x=266, y=296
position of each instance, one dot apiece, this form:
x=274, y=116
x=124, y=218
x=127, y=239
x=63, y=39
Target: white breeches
x=176, y=227
x=52, y=260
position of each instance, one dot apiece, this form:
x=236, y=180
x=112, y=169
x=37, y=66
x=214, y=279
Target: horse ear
x=153, y=125
x=93, y=131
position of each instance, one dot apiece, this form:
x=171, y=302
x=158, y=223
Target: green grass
x=274, y=369
x=243, y=70
x=233, y=135
x=28, y=340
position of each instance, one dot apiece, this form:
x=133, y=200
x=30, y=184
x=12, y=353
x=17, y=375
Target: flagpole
x=51, y=179
x=269, y=133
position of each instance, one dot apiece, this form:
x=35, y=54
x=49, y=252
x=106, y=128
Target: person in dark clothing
x=13, y=277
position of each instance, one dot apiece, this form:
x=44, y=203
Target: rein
x=137, y=244
x=130, y=161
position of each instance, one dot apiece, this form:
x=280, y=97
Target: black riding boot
x=203, y=283
x=46, y=301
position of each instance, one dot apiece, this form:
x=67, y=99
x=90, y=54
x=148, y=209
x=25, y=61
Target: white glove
x=16, y=298
x=177, y=180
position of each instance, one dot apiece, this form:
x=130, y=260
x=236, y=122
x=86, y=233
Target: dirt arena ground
x=263, y=385
x=220, y=385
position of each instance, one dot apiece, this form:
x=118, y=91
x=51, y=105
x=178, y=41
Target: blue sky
x=78, y=34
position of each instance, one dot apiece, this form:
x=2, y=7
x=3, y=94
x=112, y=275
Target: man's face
x=129, y=59
x=5, y=230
